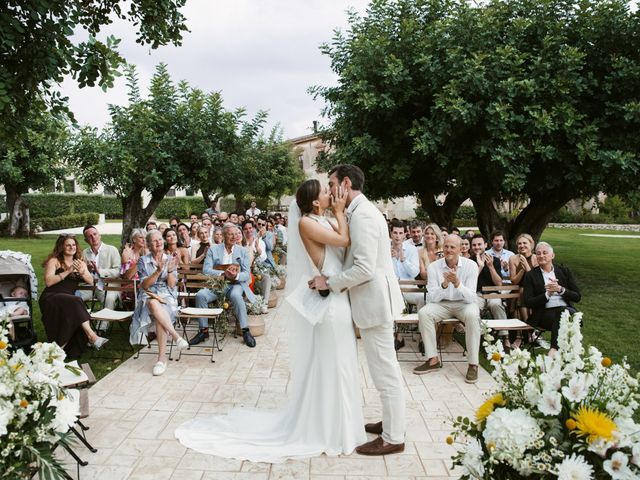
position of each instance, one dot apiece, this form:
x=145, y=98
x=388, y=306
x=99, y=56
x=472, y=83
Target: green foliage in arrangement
x=503, y=100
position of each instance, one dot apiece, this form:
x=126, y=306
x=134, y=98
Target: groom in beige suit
x=375, y=299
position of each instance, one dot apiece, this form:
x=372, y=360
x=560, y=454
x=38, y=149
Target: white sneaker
x=159, y=368
x=99, y=342
x=181, y=344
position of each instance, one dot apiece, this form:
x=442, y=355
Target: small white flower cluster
x=34, y=409
x=534, y=430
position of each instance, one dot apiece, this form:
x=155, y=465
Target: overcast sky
x=261, y=54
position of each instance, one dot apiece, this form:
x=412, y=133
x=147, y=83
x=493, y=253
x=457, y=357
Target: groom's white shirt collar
x=354, y=203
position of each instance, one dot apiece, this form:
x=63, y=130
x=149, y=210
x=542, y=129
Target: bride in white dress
x=324, y=411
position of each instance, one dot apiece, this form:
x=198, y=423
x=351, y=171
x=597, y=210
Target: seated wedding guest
x=455, y=231
x=451, y=294
x=204, y=216
x=173, y=222
x=184, y=236
x=64, y=315
x=237, y=273
x=521, y=263
x=444, y=232
x=488, y=275
x=151, y=225
x=257, y=253
x=233, y=218
x=208, y=224
x=223, y=217
x=268, y=237
x=193, y=218
x=549, y=290
x=241, y=219
x=103, y=261
x=162, y=227
x=157, y=300
x=406, y=263
x=431, y=250
x=199, y=250
x=416, y=234
x=217, y=236
x=465, y=247
x=173, y=248
x=497, y=250
x=131, y=253
x=193, y=231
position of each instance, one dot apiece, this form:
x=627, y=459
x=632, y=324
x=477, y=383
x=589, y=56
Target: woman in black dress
x=64, y=315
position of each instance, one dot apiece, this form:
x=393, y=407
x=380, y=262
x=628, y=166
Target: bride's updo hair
x=306, y=194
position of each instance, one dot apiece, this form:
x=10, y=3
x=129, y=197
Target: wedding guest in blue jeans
x=237, y=273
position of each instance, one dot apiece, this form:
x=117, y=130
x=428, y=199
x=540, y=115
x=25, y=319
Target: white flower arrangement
x=276, y=273
x=568, y=416
x=35, y=411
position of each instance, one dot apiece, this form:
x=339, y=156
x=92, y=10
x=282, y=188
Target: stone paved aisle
x=133, y=416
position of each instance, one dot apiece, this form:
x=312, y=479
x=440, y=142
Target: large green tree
x=35, y=161
x=41, y=42
x=494, y=101
x=153, y=144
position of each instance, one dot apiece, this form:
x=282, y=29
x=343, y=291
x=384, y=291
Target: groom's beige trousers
x=387, y=378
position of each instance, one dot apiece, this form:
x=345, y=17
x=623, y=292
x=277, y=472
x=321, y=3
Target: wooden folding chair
x=408, y=322
x=191, y=280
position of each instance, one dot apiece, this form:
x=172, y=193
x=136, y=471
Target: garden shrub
x=65, y=221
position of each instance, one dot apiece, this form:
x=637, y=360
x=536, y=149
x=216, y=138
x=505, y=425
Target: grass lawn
x=606, y=271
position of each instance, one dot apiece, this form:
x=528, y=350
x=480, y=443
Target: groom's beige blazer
x=368, y=273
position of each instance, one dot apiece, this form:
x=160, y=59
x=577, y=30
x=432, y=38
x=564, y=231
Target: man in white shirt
x=281, y=230
x=254, y=211
x=452, y=294
x=406, y=263
x=497, y=250
x=103, y=261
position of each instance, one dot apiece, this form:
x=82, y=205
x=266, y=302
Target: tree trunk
x=239, y=208
x=134, y=216
x=533, y=219
x=442, y=215
x=489, y=219
x=19, y=218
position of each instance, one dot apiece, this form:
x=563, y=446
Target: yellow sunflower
x=487, y=407
x=593, y=424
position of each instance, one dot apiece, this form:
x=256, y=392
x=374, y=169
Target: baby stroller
x=18, y=288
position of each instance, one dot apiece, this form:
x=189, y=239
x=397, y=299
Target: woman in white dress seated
x=324, y=411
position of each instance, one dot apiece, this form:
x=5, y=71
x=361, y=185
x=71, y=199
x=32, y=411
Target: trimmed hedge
x=49, y=205
x=65, y=221
x=45, y=205
x=180, y=206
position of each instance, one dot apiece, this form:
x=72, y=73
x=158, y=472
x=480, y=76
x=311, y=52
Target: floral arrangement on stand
x=218, y=285
x=35, y=411
x=567, y=416
x=260, y=269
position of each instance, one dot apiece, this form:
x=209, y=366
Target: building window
x=301, y=161
x=171, y=193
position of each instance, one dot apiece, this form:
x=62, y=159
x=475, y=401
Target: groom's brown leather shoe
x=380, y=447
x=373, y=428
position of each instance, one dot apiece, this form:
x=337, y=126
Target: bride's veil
x=300, y=270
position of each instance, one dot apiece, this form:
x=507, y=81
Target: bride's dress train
x=324, y=411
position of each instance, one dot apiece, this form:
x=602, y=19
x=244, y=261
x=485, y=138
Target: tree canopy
x=534, y=100
x=178, y=136
x=41, y=41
